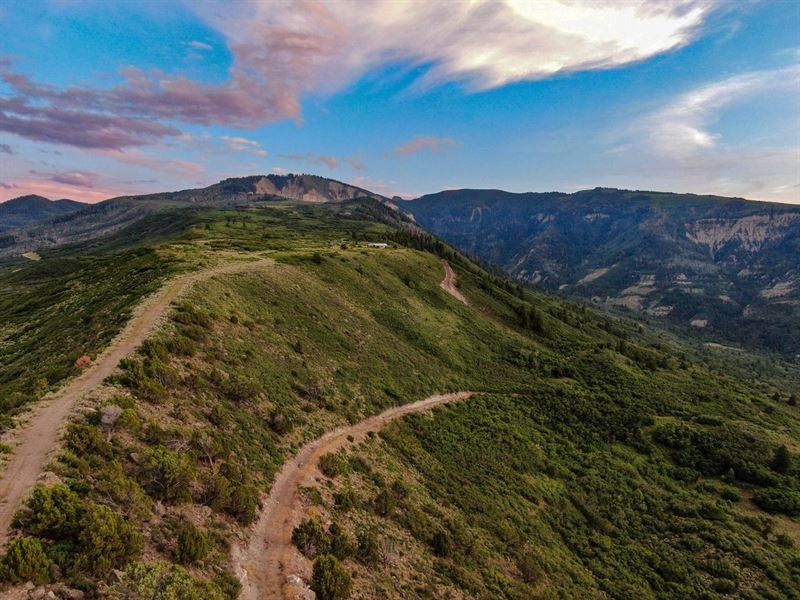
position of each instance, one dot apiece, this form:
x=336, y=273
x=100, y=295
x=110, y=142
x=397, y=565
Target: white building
x=377, y=244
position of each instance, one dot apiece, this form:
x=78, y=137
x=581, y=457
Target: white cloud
x=677, y=148
x=198, y=45
x=305, y=45
x=241, y=144
x=683, y=127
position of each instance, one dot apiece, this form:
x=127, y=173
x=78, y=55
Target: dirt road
x=36, y=440
x=448, y=284
x=269, y=557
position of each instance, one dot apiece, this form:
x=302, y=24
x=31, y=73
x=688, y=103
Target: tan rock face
x=782, y=288
x=596, y=274
x=752, y=232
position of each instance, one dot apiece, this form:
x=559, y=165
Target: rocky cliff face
x=728, y=267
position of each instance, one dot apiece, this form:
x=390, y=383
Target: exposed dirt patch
x=596, y=274
x=449, y=282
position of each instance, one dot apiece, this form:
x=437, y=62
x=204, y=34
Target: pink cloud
x=82, y=179
x=184, y=168
x=356, y=163
x=318, y=159
x=330, y=161
x=55, y=190
x=423, y=142
x=286, y=50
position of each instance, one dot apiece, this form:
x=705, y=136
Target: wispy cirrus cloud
x=242, y=144
x=683, y=126
x=81, y=179
x=198, y=45
x=677, y=146
x=423, y=142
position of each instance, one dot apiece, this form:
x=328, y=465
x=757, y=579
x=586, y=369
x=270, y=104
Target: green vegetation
x=56, y=310
x=330, y=580
x=25, y=560
x=562, y=498
x=593, y=461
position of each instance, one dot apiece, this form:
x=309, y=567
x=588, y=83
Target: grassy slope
x=55, y=310
x=570, y=490
x=252, y=364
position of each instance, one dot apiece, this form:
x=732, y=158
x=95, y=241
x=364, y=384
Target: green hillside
x=590, y=463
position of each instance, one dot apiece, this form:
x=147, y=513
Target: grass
x=572, y=482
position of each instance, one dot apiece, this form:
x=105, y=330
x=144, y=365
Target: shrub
x=243, y=504
x=778, y=500
x=166, y=475
x=345, y=500
x=217, y=492
x=334, y=464
x=228, y=584
x=191, y=544
x=87, y=440
x=339, y=543
x=162, y=581
x=54, y=513
x=106, y=541
x=25, y=560
x=280, y=422
x=330, y=580
x=530, y=570
x=367, y=548
x=113, y=484
x=782, y=460
x=385, y=503
x=309, y=537
x=180, y=345
x=441, y=544
x=730, y=494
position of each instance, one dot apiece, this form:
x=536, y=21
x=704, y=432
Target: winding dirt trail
x=448, y=284
x=269, y=557
x=36, y=440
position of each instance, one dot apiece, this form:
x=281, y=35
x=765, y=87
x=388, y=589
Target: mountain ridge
x=723, y=265
x=27, y=210
x=111, y=215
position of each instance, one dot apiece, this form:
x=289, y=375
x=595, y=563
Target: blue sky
x=102, y=98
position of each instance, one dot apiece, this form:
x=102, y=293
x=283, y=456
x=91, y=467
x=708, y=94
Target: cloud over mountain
x=285, y=50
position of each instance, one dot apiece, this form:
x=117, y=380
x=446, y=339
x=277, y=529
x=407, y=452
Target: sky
x=103, y=98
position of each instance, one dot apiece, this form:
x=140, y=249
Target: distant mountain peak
x=32, y=209
x=302, y=187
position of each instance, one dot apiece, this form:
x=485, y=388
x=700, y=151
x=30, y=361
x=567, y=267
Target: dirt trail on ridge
x=35, y=441
x=269, y=558
x=448, y=284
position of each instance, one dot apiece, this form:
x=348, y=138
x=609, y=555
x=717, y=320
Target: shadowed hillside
x=727, y=267
x=29, y=210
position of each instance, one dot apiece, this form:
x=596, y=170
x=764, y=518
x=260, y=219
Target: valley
x=720, y=269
